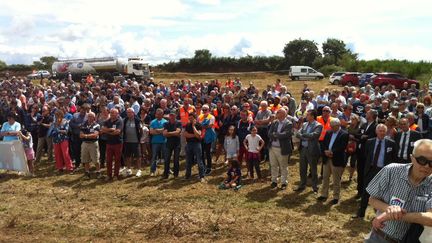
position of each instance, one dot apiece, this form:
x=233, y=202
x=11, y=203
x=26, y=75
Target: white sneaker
x=139, y=173
x=128, y=172
x=203, y=180
x=152, y=174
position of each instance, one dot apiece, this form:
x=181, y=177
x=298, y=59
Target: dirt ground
x=68, y=208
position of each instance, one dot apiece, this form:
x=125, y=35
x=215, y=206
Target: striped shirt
x=392, y=186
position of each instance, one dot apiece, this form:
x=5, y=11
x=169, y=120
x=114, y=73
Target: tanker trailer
x=107, y=67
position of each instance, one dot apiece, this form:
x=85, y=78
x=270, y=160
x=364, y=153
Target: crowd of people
x=123, y=126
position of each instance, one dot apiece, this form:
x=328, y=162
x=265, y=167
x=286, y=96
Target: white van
x=304, y=72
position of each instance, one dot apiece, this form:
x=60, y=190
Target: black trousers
x=361, y=159
x=206, y=155
x=263, y=132
x=76, y=149
x=102, y=151
x=170, y=149
x=373, y=171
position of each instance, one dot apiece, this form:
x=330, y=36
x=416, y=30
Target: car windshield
x=139, y=66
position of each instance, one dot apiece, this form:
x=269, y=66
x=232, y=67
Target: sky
x=167, y=30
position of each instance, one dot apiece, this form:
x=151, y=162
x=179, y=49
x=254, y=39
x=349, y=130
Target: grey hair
x=335, y=122
x=421, y=142
x=381, y=125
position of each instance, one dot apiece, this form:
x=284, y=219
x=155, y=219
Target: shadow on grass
x=317, y=208
x=356, y=227
x=349, y=206
x=293, y=200
x=6, y=176
x=263, y=194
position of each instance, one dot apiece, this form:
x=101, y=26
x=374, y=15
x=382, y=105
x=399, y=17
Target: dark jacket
x=369, y=132
x=338, y=148
x=284, y=136
x=137, y=127
x=413, y=136
x=389, y=154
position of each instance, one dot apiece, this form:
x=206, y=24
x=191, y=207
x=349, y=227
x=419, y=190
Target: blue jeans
x=157, y=148
x=194, y=153
x=168, y=152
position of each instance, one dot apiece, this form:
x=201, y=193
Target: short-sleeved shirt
x=392, y=186
x=158, y=124
x=263, y=115
x=253, y=142
x=232, y=173
x=170, y=127
x=15, y=127
x=189, y=129
x=43, y=131
x=131, y=132
x=117, y=124
x=87, y=128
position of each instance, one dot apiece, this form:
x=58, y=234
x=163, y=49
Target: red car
x=394, y=79
x=351, y=78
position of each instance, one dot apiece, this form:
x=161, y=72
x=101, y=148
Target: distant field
x=68, y=208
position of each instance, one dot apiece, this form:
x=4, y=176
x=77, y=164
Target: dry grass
x=68, y=208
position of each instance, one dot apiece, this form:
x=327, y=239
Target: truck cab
x=137, y=67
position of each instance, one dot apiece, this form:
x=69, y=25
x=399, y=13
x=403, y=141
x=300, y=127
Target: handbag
x=351, y=147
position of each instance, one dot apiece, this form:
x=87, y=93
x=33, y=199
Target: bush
x=329, y=69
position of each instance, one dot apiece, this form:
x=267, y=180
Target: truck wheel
x=108, y=76
x=336, y=82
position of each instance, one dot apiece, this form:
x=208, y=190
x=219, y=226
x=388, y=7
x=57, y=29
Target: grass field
x=69, y=208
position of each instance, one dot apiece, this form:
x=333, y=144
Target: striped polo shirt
x=392, y=186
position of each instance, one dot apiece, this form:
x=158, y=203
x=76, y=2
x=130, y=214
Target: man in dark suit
x=367, y=131
x=380, y=151
x=335, y=143
x=405, y=141
x=309, y=150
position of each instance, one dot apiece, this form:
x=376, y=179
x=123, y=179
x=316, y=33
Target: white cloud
x=208, y=2
x=168, y=30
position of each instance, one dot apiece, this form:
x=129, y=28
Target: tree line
x=334, y=56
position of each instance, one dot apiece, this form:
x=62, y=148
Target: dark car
x=350, y=78
x=365, y=79
x=395, y=79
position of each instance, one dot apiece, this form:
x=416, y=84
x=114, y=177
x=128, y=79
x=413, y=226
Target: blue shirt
x=380, y=162
x=332, y=139
x=158, y=124
x=10, y=128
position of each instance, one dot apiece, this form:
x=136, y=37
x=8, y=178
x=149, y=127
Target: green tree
x=3, y=65
x=44, y=63
x=334, y=49
x=301, y=52
x=202, y=54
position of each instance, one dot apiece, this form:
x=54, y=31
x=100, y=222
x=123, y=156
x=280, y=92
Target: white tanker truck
x=106, y=67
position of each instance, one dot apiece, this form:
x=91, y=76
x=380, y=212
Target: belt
x=90, y=141
x=385, y=236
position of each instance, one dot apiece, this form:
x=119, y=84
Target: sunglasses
x=423, y=161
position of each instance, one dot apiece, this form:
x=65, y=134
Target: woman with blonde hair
x=391, y=123
x=59, y=134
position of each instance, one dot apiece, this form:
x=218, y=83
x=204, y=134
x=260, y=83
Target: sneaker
x=99, y=175
x=152, y=174
x=138, y=173
x=128, y=172
x=283, y=187
x=322, y=198
x=203, y=180
x=171, y=172
x=273, y=185
x=87, y=175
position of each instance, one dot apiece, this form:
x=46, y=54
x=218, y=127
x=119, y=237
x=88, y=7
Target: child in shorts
x=27, y=141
